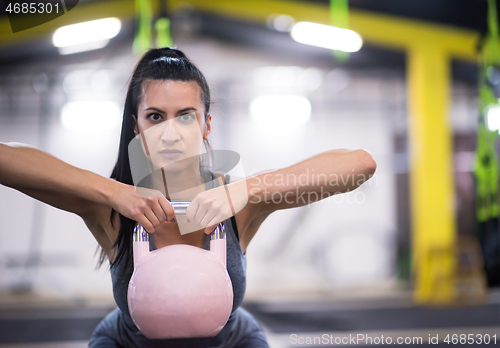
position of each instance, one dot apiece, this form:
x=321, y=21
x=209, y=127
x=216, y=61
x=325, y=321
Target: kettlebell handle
x=217, y=237
x=140, y=234
x=180, y=208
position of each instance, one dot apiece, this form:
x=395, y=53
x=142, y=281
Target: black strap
x=233, y=220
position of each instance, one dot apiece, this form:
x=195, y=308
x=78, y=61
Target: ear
x=208, y=127
x=136, y=128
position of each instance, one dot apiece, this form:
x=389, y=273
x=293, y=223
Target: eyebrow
x=152, y=108
x=182, y=111
x=186, y=110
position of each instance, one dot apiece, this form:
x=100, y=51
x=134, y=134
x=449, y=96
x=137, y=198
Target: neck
x=179, y=185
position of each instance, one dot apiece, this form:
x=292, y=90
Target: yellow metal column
x=431, y=173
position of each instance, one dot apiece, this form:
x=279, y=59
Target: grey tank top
x=130, y=336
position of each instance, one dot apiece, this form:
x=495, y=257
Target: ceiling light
x=281, y=23
x=86, y=36
x=88, y=46
x=286, y=80
x=326, y=36
x=90, y=115
x=282, y=110
x=493, y=118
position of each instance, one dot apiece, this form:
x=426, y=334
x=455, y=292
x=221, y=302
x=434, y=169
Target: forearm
x=29, y=168
x=324, y=174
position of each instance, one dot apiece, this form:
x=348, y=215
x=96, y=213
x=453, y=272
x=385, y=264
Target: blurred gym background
x=413, y=252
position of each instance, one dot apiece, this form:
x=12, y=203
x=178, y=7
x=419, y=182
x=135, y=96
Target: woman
x=167, y=109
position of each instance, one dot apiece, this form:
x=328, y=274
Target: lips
x=170, y=153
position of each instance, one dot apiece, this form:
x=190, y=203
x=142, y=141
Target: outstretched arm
x=300, y=184
x=311, y=180
x=82, y=192
x=253, y=199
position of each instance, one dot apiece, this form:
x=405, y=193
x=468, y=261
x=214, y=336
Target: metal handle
x=180, y=207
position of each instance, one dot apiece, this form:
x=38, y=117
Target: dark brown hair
x=158, y=64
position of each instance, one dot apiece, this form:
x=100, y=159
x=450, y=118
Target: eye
x=155, y=117
x=187, y=118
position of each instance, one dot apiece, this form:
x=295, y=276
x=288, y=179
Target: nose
x=170, y=134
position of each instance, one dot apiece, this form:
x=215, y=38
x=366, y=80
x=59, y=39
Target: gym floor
x=287, y=324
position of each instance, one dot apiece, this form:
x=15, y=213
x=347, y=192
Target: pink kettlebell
x=180, y=291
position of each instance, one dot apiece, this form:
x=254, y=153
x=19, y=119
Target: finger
x=152, y=218
x=216, y=220
x=201, y=213
x=192, y=209
x=210, y=229
x=207, y=218
x=148, y=226
x=158, y=211
x=220, y=214
x=167, y=209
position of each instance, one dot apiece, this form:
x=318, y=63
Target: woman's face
x=170, y=118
